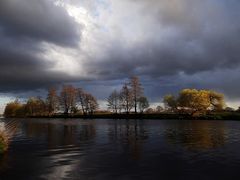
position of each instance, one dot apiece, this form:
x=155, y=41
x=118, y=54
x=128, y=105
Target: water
x=122, y=149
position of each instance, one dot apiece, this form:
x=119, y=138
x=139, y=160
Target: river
x=121, y=149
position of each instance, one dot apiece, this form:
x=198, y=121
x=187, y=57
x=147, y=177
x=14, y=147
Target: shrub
x=3, y=142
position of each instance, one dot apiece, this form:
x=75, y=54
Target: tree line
x=69, y=100
x=129, y=99
x=131, y=96
x=72, y=100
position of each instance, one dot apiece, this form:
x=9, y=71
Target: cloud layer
x=170, y=44
x=24, y=27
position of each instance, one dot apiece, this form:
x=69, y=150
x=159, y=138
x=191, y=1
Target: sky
x=99, y=44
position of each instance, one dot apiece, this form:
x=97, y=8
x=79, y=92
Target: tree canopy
x=193, y=101
x=69, y=100
x=130, y=98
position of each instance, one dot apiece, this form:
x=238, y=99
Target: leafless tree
x=126, y=98
x=81, y=95
x=113, y=101
x=68, y=98
x=87, y=102
x=90, y=103
x=137, y=91
x=52, y=101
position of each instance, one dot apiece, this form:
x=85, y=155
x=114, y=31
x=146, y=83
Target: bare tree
x=137, y=91
x=81, y=95
x=90, y=103
x=86, y=101
x=113, y=101
x=127, y=99
x=68, y=98
x=52, y=101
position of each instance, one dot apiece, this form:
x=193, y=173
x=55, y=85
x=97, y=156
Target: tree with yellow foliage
x=195, y=102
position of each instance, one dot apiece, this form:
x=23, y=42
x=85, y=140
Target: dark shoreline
x=161, y=116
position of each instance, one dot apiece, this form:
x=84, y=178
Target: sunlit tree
x=195, y=102
x=13, y=109
x=216, y=100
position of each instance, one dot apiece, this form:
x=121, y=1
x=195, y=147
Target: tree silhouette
x=113, y=101
x=137, y=91
x=127, y=99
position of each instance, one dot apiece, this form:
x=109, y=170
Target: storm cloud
x=170, y=44
x=24, y=27
x=37, y=20
x=168, y=37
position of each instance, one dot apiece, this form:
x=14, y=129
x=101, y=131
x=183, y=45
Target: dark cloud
x=170, y=44
x=24, y=26
x=187, y=37
x=21, y=71
x=38, y=19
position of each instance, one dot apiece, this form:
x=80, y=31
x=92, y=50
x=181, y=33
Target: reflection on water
x=129, y=134
x=121, y=149
x=60, y=133
x=197, y=135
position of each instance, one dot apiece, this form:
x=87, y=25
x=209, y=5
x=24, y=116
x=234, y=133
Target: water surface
x=121, y=149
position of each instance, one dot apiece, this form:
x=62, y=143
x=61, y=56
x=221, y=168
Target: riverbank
x=4, y=141
x=212, y=116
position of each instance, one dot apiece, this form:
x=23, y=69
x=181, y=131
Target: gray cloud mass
x=24, y=25
x=170, y=44
x=37, y=20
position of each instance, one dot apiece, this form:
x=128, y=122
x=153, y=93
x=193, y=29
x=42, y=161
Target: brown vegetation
x=131, y=96
x=4, y=140
x=69, y=101
x=129, y=99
